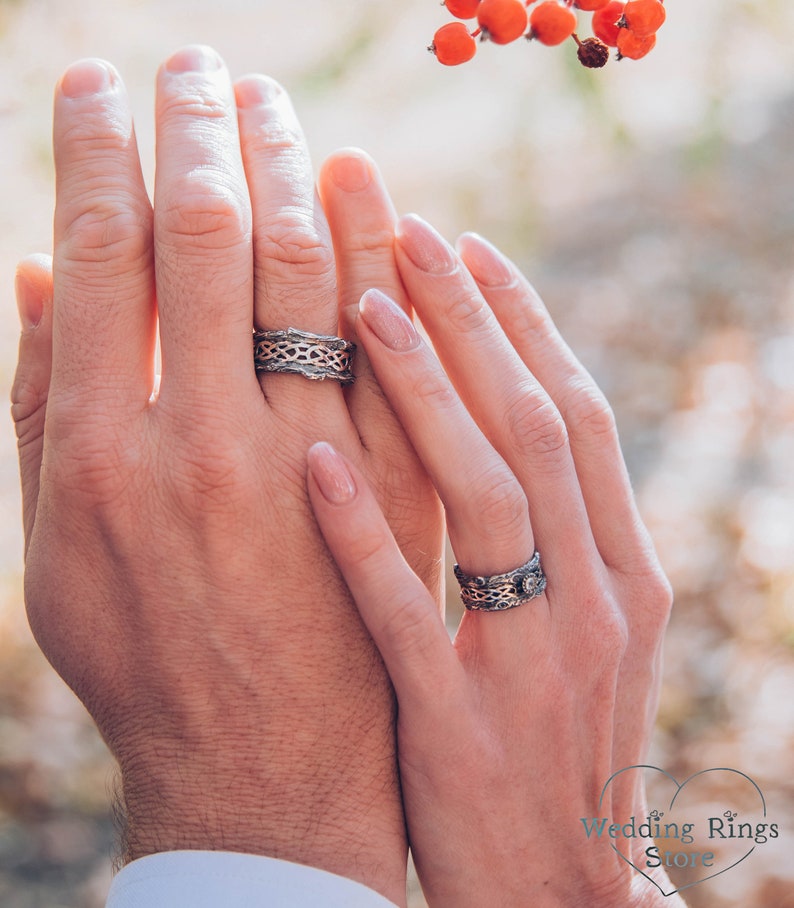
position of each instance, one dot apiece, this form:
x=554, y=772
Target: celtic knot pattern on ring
x=499, y=592
x=314, y=356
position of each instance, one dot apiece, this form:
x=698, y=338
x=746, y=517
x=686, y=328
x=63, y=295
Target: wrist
x=362, y=839
x=315, y=798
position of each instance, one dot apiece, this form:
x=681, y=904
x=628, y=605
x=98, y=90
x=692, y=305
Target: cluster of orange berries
x=628, y=25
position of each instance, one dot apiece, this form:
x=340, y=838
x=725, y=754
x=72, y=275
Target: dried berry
x=592, y=52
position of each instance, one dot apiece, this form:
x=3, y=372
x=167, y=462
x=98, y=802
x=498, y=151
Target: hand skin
x=507, y=736
x=175, y=576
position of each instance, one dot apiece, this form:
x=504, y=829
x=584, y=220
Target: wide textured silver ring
x=314, y=356
x=502, y=591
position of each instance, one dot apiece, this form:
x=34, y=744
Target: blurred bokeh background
x=651, y=203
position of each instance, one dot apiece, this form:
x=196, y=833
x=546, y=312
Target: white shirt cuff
x=207, y=879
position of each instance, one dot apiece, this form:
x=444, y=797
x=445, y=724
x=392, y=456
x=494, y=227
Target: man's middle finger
x=202, y=229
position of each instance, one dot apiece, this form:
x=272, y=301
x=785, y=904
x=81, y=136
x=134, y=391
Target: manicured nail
x=426, y=248
x=29, y=302
x=331, y=474
x=488, y=266
x=351, y=170
x=85, y=78
x=387, y=321
x=257, y=91
x=197, y=58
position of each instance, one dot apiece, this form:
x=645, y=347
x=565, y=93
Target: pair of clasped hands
x=241, y=576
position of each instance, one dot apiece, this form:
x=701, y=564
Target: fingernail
x=426, y=248
x=196, y=58
x=257, y=91
x=351, y=171
x=388, y=321
x=86, y=77
x=29, y=303
x=331, y=474
x=487, y=265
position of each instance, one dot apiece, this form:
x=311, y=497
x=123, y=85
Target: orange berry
x=452, y=44
x=462, y=9
x=605, y=22
x=502, y=21
x=551, y=22
x=634, y=46
x=643, y=17
x=590, y=5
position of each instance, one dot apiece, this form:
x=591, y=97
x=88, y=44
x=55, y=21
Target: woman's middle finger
x=487, y=514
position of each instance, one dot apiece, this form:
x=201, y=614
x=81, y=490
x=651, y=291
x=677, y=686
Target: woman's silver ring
x=499, y=592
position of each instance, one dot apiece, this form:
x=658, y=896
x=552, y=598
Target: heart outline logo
x=679, y=788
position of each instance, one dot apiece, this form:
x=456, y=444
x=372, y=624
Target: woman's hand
x=175, y=576
x=507, y=736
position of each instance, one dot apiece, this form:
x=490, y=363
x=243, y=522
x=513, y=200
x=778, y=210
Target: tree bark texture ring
x=499, y=592
x=314, y=356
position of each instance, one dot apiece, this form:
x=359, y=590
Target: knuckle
x=107, y=230
x=602, y=639
x=500, y=504
x=28, y=400
x=202, y=213
x=611, y=631
x=657, y=597
x=204, y=483
x=193, y=105
x=93, y=476
x=367, y=549
x=468, y=312
x=91, y=138
x=433, y=390
x=212, y=474
x=532, y=321
x=535, y=425
x=279, y=142
x=370, y=242
x=404, y=631
x=296, y=244
x=588, y=411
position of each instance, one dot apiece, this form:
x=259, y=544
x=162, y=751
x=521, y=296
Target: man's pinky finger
x=397, y=609
x=32, y=379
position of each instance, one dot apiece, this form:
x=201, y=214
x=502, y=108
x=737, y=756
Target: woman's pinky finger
x=32, y=379
x=397, y=609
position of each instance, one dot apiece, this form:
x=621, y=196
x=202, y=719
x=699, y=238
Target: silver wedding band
x=499, y=592
x=314, y=356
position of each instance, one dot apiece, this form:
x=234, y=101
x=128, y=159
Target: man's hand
x=175, y=576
